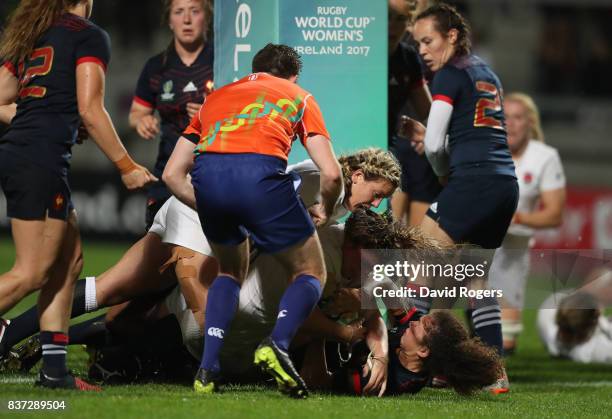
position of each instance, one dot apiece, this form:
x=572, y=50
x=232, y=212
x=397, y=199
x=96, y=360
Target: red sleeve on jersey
x=92, y=60
x=443, y=98
x=143, y=102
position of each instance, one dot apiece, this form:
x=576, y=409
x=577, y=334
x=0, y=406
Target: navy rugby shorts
x=476, y=209
x=240, y=195
x=33, y=192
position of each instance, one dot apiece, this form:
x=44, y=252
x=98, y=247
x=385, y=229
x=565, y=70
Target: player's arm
x=9, y=86
x=317, y=324
x=176, y=173
x=435, y=136
x=550, y=213
x=376, y=338
x=420, y=98
x=141, y=119
x=320, y=150
x=90, y=97
x=7, y=112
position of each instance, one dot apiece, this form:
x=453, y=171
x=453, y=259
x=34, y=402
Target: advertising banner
x=343, y=44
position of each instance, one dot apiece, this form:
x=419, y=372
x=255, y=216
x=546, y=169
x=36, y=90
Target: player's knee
x=31, y=280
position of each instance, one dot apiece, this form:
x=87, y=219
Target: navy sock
x=90, y=332
x=486, y=318
x=54, y=353
x=221, y=305
x=299, y=299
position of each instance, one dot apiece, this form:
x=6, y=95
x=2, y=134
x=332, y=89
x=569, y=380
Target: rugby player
x=54, y=71
x=407, y=86
x=541, y=200
x=173, y=84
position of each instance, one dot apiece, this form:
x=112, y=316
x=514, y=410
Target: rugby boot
x=68, y=381
x=23, y=357
x=501, y=386
x=206, y=382
x=277, y=363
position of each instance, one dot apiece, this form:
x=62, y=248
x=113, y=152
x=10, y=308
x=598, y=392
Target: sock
x=90, y=332
x=84, y=300
x=422, y=304
x=486, y=318
x=26, y=324
x=54, y=353
x=295, y=306
x=221, y=305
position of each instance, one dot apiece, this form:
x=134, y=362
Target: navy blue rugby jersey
x=166, y=84
x=477, y=134
x=47, y=120
x=405, y=74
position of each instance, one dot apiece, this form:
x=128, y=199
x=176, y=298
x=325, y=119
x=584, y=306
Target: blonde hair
x=533, y=114
x=207, y=7
x=375, y=164
x=27, y=23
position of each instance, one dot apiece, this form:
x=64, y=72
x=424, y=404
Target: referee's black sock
x=54, y=353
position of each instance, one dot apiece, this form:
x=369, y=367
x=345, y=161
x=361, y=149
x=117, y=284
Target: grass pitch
x=540, y=386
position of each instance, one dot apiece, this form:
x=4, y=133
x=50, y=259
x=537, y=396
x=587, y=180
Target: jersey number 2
x=46, y=53
x=482, y=105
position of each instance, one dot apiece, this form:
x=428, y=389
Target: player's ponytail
x=467, y=364
x=447, y=17
x=27, y=23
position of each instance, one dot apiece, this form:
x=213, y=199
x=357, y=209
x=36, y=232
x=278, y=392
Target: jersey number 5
x=46, y=53
x=493, y=105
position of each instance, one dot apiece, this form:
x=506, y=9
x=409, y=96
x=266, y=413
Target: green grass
x=541, y=386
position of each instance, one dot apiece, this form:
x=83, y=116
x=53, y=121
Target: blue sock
x=221, y=305
x=486, y=318
x=299, y=299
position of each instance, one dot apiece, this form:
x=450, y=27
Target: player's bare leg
x=137, y=273
x=417, y=212
x=400, y=206
x=37, y=245
x=432, y=229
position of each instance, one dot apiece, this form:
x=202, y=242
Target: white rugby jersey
x=539, y=169
x=597, y=349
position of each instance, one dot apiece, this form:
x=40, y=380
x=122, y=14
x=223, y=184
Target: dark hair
x=278, y=60
x=447, y=17
x=27, y=23
x=577, y=318
x=467, y=363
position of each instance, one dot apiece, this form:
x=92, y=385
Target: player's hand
x=148, y=127
x=354, y=332
x=411, y=129
x=82, y=134
x=347, y=300
x=193, y=109
x=318, y=215
x=377, y=368
x=138, y=178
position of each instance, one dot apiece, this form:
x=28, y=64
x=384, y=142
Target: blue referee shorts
x=240, y=195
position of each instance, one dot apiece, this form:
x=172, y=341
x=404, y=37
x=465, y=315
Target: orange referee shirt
x=259, y=114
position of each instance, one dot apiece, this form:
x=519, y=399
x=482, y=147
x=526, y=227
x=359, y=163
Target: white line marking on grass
x=17, y=380
x=579, y=383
